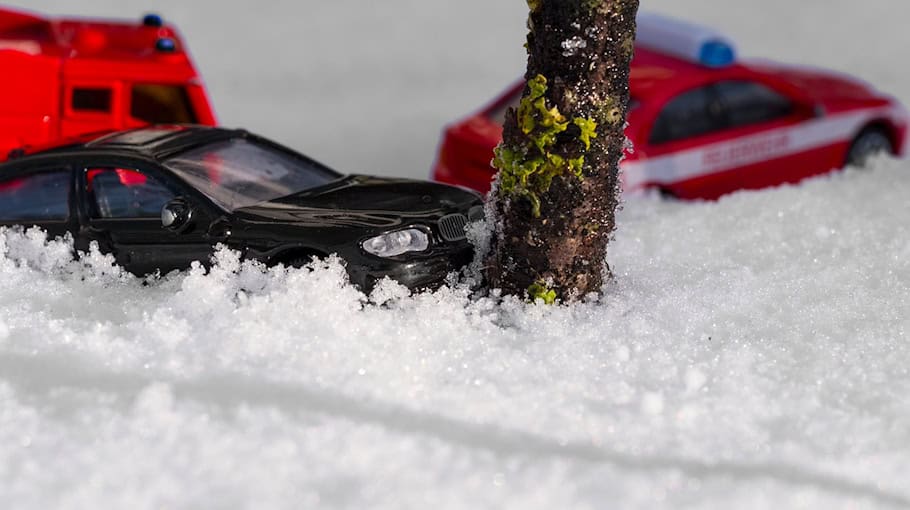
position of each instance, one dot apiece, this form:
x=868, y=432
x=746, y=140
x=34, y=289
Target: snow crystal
x=695, y=380
x=571, y=46
x=652, y=403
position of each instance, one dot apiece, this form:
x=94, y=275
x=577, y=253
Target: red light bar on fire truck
x=682, y=39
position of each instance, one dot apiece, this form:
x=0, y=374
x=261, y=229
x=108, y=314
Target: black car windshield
x=239, y=173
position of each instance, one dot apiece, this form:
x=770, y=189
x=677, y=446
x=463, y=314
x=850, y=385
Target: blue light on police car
x=166, y=45
x=152, y=20
x=716, y=54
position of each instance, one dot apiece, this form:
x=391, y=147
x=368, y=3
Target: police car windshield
x=239, y=173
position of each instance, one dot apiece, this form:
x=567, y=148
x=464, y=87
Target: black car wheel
x=869, y=143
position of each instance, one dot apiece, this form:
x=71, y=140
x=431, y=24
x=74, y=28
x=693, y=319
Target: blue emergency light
x=717, y=54
x=152, y=20
x=688, y=41
x=166, y=45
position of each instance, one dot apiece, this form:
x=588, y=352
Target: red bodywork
x=828, y=112
x=67, y=77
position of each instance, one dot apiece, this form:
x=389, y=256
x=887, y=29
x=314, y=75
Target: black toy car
x=161, y=197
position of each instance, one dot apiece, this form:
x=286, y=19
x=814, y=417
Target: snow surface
x=751, y=353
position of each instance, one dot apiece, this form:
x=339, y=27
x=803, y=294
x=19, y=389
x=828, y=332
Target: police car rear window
x=686, y=116
x=748, y=103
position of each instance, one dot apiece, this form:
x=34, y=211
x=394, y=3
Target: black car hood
x=368, y=201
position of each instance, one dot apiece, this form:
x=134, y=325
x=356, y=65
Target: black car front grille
x=451, y=227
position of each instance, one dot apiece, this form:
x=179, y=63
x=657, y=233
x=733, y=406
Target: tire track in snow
x=31, y=375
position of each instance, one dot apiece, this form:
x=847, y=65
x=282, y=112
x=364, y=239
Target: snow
x=571, y=46
x=751, y=352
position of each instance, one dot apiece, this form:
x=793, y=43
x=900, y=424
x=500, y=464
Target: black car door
x=121, y=211
x=39, y=196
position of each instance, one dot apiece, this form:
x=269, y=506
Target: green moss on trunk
x=527, y=168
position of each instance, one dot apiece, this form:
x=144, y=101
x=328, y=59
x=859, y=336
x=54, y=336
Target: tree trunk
x=558, y=182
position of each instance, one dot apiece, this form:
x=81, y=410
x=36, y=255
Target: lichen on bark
x=539, y=290
x=528, y=165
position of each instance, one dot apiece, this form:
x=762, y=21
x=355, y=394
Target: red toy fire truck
x=67, y=77
x=704, y=123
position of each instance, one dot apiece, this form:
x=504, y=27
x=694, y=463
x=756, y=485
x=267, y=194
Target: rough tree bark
x=558, y=184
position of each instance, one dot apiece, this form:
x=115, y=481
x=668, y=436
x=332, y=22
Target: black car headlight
x=396, y=243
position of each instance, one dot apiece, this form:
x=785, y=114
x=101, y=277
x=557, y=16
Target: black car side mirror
x=177, y=215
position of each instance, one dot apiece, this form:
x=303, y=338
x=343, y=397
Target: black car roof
x=158, y=143
x=163, y=140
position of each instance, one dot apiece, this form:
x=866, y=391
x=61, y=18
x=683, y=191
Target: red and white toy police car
x=704, y=124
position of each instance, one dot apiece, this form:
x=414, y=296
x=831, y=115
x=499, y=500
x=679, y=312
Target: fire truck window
x=125, y=193
x=92, y=100
x=748, y=103
x=688, y=115
x=161, y=104
x=37, y=197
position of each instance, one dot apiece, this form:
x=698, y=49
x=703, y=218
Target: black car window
x=43, y=196
x=747, y=103
x=161, y=104
x=125, y=193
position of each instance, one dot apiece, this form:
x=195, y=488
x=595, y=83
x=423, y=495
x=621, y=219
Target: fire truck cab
x=62, y=78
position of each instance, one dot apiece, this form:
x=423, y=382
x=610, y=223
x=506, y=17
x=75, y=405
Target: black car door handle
x=219, y=230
